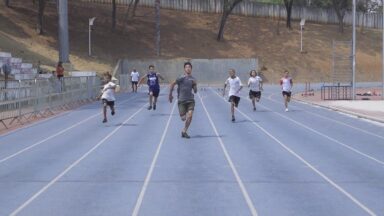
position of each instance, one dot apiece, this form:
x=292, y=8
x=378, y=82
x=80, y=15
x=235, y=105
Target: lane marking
x=324, y=135
x=53, y=136
x=327, y=137
x=336, y=121
x=53, y=181
x=150, y=171
x=339, y=188
x=230, y=162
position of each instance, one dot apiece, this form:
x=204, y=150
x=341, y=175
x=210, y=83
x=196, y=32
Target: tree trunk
x=220, y=36
x=113, y=14
x=288, y=7
x=228, y=7
x=40, y=29
x=157, y=18
x=341, y=25
x=278, y=22
x=134, y=8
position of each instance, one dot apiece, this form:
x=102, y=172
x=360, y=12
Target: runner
x=286, y=85
x=186, y=102
x=108, y=96
x=153, y=85
x=134, y=79
x=255, y=83
x=235, y=86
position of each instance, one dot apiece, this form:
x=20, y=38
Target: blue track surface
x=308, y=161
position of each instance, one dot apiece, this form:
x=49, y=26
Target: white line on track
x=230, y=162
x=150, y=171
x=325, y=136
x=328, y=137
x=339, y=188
x=52, y=136
x=330, y=119
x=53, y=181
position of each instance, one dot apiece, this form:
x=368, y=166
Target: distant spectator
x=60, y=70
x=39, y=70
x=134, y=79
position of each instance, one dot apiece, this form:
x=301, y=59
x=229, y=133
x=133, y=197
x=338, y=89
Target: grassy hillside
x=183, y=35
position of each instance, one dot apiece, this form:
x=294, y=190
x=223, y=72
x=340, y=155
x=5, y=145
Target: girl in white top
x=108, y=97
x=286, y=86
x=135, y=79
x=255, y=83
x=235, y=86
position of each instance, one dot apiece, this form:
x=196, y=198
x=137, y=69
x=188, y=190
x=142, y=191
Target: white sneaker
x=286, y=109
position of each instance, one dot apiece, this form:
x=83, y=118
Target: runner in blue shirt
x=153, y=86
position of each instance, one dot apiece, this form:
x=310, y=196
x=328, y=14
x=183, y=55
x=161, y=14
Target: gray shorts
x=185, y=106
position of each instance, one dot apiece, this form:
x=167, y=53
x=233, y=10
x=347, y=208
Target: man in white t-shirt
x=108, y=96
x=255, y=85
x=235, y=86
x=286, y=86
x=134, y=79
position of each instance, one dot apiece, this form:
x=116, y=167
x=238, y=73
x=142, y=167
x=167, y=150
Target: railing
x=336, y=92
x=39, y=96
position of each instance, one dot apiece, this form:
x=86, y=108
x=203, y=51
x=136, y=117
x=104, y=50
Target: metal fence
x=248, y=8
x=39, y=96
x=336, y=92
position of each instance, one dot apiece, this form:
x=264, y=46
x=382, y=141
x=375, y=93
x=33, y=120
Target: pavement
x=367, y=109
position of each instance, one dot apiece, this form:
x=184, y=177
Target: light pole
x=91, y=20
x=353, y=49
x=302, y=22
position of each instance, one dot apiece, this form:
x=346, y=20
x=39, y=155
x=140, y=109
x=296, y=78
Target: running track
x=308, y=161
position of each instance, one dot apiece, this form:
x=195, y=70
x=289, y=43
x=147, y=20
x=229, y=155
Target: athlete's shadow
x=125, y=124
x=162, y=114
x=206, y=136
x=245, y=121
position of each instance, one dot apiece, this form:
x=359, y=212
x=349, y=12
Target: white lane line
x=50, y=137
x=328, y=137
x=330, y=119
x=53, y=181
x=324, y=135
x=235, y=173
x=339, y=188
x=150, y=171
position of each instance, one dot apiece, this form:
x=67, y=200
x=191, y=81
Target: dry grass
x=184, y=35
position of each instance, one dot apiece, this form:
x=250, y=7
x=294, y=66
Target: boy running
x=235, y=86
x=255, y=83
x=153, y=85
x=286, y=85
x=186, y=102
x=108, y=96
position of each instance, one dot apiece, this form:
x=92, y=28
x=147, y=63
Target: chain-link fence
x=39, y=96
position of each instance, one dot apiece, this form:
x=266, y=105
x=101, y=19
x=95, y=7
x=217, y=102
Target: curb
x=358, y=115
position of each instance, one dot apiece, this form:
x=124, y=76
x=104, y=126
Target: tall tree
x=227, y=9
x=288, y=7
x=157, y=20
x=113, y=14
x=341, y=7
x=134, y=8
x=41, y=7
